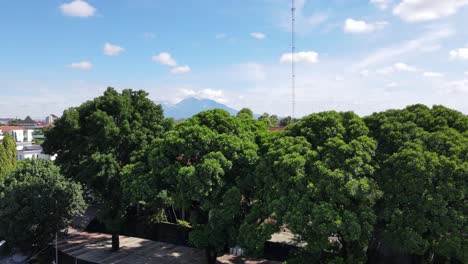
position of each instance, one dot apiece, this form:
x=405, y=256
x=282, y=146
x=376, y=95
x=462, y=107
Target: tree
x=315, y=180
x=274, y=120
x=245, y=113
x=265, y=118
x=35, y=203
x=422, y=162
x=96, y=140
x=205, y=166
x=285, y=121
x=7, y=155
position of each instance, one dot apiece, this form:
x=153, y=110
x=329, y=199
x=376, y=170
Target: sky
x=358, y=55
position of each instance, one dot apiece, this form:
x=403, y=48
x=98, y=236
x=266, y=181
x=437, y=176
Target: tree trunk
x=115, y=242
x=211, y=256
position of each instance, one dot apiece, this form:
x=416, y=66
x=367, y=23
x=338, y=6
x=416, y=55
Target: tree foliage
x=315, y=180
x=245, y=113
x=96, y=140
x=7, y=155
x=205, y=167
x=35, y=202
x=422, y=169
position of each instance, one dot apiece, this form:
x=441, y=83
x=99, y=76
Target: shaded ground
x=95, y=248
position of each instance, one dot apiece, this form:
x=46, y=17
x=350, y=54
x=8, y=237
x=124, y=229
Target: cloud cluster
x=382, y=4
x=424, y=10
x=257, y=35
x=82, y=65
x=78, y=8
x=360, y=26
x=165, y=58
x=300, y=57
x=112, y=50
x=397, y=67
x=433, y=74
x=181, y=70
x=461, y=54
x=216, y=95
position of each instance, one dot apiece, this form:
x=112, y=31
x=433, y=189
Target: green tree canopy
x=96, y=140
x=35, y=202
x=422, y=161
x=245, y=113
x=7, y=155
x=265, y=118
x=315, y=180
x=274, y=120
x=205, y=165
x=286, y=121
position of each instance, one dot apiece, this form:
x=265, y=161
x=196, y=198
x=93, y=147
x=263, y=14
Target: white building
x=25, y=148
x=28, y=150
x=19, y=134
x=51, y=119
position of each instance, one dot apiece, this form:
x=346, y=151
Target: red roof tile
x=10, y=128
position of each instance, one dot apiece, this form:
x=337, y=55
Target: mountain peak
x=191, y=106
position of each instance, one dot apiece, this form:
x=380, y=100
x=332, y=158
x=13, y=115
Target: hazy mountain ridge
x=191, y=106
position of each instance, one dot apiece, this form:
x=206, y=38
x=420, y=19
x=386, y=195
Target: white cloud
x=424, y=10
x=216, y=95
x=303, y=56
x=409, y=47
x=433, y=74
x=257, y=35
x=385, y=71
x=405, y=67
x=397, y=67
x=382, y=4
x=78, y=8
x=82, y=65
x=457, y=87
x=466, y=73
x=164, y=58
x=181, y=70
x=393, y=85
x=112, y=50
x=461, y=54
x=359, y=26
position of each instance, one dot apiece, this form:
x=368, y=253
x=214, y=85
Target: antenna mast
x=293, y=54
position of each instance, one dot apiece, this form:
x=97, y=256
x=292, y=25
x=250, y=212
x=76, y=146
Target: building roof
x=10, y=128
x=277, y=128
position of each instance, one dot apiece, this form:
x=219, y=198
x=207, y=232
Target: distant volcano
x=191, y=106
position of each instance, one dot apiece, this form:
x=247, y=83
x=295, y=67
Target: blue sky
x=360, y=55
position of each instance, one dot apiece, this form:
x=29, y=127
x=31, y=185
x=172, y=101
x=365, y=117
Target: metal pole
x=293, y=56
x=56, y=249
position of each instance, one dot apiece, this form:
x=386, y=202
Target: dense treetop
x=35, y=202
x=422, y=162
x=7, y=155
x=315, y=180
x=96, y=140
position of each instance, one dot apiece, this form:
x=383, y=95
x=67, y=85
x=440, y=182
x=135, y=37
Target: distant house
x=5, y=121
x=25, y=148
x=49, y=120
x=28, y=150
x=27, y=122
x=19, y=133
